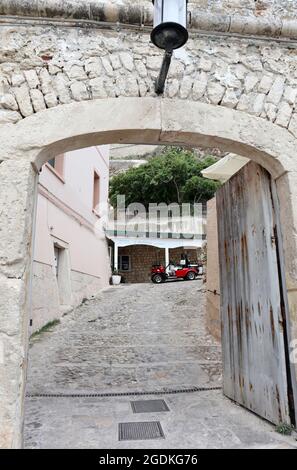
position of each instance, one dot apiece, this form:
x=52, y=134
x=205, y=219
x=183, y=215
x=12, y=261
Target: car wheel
x=157, y=279
x=190, y=276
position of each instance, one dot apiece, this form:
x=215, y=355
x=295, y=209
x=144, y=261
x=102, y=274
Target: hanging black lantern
x=170, y=24
x=169, y=33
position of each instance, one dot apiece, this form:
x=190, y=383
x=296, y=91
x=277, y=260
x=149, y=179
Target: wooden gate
x=253, y=307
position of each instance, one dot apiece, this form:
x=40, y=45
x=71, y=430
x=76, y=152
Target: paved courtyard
x=135, y=339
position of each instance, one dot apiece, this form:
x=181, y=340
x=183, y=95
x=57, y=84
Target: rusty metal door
x=255, y=353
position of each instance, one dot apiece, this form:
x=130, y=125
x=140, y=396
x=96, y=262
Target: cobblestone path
x=135, y=338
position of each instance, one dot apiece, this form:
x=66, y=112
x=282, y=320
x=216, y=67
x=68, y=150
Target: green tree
x=173, y=176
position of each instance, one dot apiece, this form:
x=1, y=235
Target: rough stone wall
x=174, y=254
x=104, y=9
x=144, y=256
x=46, y=305
x=284, y=8
x=142, y=259
x=213, y=322
x=84, y=286
x=17, y=190
x=45, y=67
x=45, y=296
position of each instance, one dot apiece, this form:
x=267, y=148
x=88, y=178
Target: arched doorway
x=28, y=145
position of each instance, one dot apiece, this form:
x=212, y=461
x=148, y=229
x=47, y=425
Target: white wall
x=65, y=216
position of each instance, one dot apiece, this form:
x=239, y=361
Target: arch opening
x=143, y=121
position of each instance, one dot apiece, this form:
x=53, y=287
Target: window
x=96, y=191
x=124, y=263
x=57, y=165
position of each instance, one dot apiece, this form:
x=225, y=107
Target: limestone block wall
x=17, y=190
x=128, y=11
x=270, y=8
x=44, y=67
x=175, y=254
x=85, y=286
x=45, y=296
x=46, y=303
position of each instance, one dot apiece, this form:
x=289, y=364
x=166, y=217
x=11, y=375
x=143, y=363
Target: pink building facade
x=71, y=260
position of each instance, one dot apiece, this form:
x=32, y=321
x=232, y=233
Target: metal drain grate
x=149, y=406
x=140, y=431
x=121, y=394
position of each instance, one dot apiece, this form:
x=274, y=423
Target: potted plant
x=116, y=278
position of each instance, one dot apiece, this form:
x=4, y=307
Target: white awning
x=158, y=242
x=225, y=168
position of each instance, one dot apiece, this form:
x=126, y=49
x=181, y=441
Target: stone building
x=135, y=262
x=135, y=249
x=70, y=258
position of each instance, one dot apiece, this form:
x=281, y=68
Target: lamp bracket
x=160, y=83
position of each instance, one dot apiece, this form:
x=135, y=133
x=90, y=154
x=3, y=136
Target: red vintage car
x=160, y=274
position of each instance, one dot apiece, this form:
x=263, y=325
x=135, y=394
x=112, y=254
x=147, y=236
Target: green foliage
x=45, y=328
x=173, y=176
x=285, y=429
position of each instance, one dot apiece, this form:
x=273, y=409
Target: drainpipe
x=115, y=257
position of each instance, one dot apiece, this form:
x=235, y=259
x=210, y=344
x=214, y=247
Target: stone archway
x=27, y=145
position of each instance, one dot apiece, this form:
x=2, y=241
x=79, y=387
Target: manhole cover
x=149, y=406
x=140, y=431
